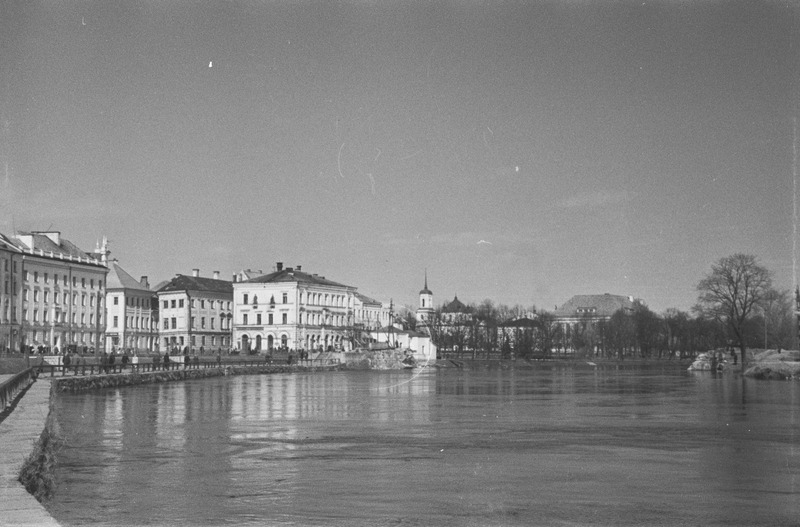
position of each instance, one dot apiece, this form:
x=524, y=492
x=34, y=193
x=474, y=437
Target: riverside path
x=19, y=432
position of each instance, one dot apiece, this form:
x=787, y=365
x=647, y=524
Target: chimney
x=144, y=282
x=216, y=275
x=233, y=280
x=280, y=266
x=195, y=272
x=299, y=267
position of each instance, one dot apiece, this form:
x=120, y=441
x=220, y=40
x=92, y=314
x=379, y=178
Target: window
x=83, y=319
x=269, y=319
x=116, y=321
x=46, y=296
x=202, y=304
x=166, y=304
x=285, y=298
x=45, y=314
x=91, y=283
x=91, y=301
x=165, y=325
x=36, y=276
x=244, y=319
x=74, y=281
x=180, y=302
x=174, y=323
x=36, y=315
x=191, y=303
x=65, y=280
x=46, y=278
x=212, y=322
x=284, y=317
x=211, y=304
x=258, y=319
x=36, y=295
x=83, y=299
x=203, y=322
x=83, y=282
x=245, y=299
x=172, y=303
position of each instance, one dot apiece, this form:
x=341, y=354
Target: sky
x=523, y=152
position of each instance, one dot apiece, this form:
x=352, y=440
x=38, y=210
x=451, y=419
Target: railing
x=13, y=386
x=173, y=365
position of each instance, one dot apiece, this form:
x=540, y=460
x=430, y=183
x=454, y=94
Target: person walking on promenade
x=112, y=358
x=186, y=360
x=66, y=361
x=124, y=361
x=166, y=361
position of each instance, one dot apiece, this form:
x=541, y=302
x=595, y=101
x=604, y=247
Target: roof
x=602, y=305
x=7, y=243
x=43, y=244
x=291, y=275
x=118, y=278
x=456, y=306
x=367, y=300
x=523, y=322
x=183, y=282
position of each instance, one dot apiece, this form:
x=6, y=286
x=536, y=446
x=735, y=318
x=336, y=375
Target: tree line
x=737, y=307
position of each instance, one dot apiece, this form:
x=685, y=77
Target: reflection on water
x=635, y=445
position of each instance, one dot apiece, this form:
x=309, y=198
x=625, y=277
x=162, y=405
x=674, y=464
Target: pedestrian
x=166, y=360
x=66, y=361
x=186, y=360
x=104, y=363
x=111, y=362
x=124, y=362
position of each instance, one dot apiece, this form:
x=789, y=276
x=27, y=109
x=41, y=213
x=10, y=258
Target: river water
x=555, y=445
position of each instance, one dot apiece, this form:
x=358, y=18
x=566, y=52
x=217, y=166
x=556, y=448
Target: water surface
x=631, y=445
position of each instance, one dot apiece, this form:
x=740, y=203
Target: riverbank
x=25, y=435
x=775, y=364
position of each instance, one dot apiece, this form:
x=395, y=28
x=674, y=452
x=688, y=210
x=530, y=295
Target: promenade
x=19, y=432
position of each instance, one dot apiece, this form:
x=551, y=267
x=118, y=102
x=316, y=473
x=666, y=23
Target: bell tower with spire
x=425, y=309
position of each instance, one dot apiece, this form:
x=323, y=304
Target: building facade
x=62, y=304
x=195, y=314
x=10, y=296
x=131, y=311
x=292, y=309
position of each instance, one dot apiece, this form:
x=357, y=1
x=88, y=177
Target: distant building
x=588, y=310
x=425, y=311
x=196, y=313
x=132, y=310
x=456, y=312
x=61, y=291
x=593, y=307
x=289, y=308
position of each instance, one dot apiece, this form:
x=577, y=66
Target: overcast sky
x=519, y=151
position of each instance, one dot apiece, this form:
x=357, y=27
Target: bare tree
x=730, y=292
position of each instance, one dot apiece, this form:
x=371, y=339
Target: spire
x=425, y=290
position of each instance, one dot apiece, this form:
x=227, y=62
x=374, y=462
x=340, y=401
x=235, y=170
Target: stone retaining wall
x=95, y=382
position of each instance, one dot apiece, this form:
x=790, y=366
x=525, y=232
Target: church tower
x=425, y=309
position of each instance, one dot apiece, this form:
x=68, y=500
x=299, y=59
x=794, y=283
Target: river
x=553, y=445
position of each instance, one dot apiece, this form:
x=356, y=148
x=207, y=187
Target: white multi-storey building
x=63, y=293
x=292, y=309
x=131, y=311
x=195, y=313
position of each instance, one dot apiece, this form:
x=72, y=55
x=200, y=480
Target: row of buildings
x=56, y=296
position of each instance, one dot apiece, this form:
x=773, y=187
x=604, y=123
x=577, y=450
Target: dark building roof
x=7, y=243
x=594, y=305
x=456, y=306
x=183, y=282
x=42, y=243
x=290, y=275
x=118, y=278
x=523, y=322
